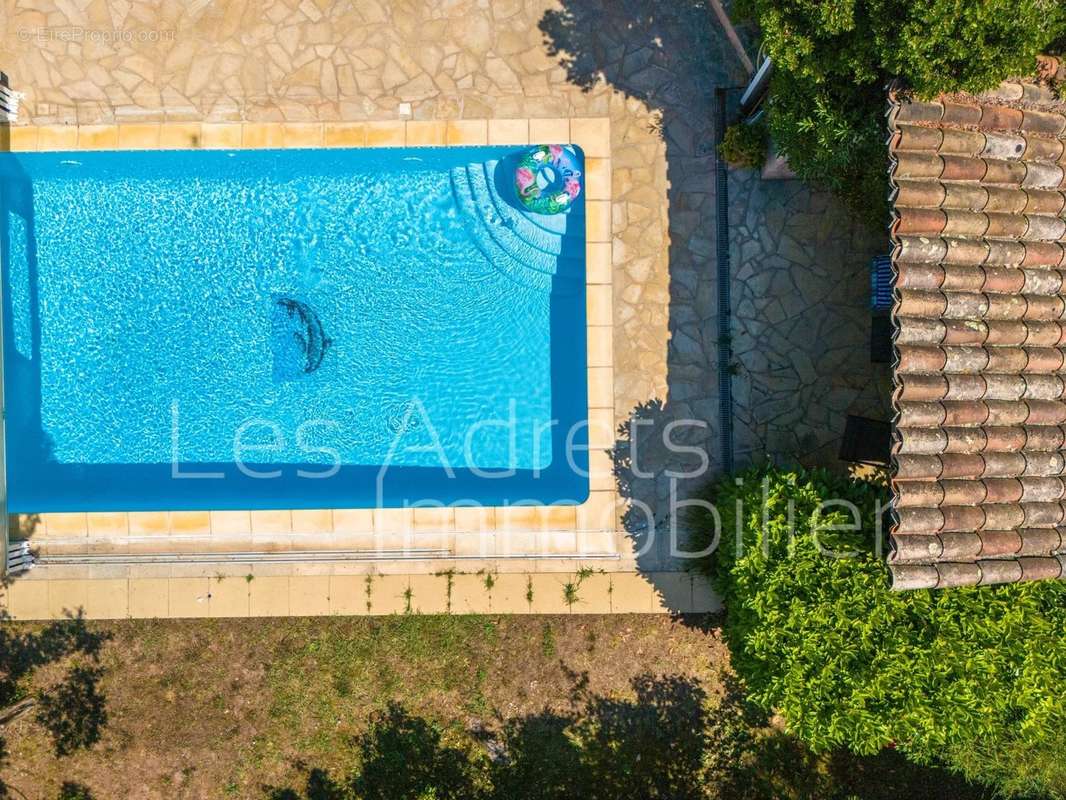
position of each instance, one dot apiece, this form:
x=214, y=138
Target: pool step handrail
x=9, y=101
x=19, y=558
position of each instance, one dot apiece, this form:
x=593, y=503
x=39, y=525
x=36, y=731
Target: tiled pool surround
x=498, y=536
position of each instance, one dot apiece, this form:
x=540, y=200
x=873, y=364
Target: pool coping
x=524, y=540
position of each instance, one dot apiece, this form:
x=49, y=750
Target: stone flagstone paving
x=650, y=67
x=801, y=321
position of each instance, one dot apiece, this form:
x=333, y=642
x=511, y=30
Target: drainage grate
x=725, y=348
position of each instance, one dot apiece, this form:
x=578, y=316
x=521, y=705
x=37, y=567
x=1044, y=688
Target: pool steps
x=517, y=242
x=542, y=231
x=526, y=247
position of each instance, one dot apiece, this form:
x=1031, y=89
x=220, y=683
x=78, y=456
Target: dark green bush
x=834, y=58
x=971, y=677
x=953, y=46
x=933, y=45
x=744, y=145
x=834, y=136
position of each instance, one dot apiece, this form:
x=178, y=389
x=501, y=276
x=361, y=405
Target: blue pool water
x=269, y=329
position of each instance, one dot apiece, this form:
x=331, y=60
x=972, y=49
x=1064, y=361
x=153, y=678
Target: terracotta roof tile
x=1004, y=464
x=1036, y=281
x=1041, y=175
x=1038, y=94
x=997, y=171
x=960, y=114
x=993, y=572
x=912, y=165
x=1043, y=227
x=912, y=249
x=1042, y=201
x=1043, y=412
x=1039, y=569
x=959, y=142
x=914, y=576
x=995, y=544
x=1004, y=145
x=925, y=440
x=1046, y=254
x=1005, y=200
x=1039, y=149
x=961, y=465
x=919, y=520
x=965, y=332
x=1040, y=541
x=919, y=547
x=921, y=194
x=997, y=490
x=914, y=467
x=921, y=221
x=1043, y=122
x=916, y=111
x=1000, y=118
x=962, y=196
x=958, y=574
x=1040, y=307
x=913, y=137
x=964, y=387
x=953, y=493
x=966, y=440
x=1040, y=463
x=1003, y=438
x=962, y=546
x=971, y=224
x=1044, y=439
x=1003, y=280
x=920, y=493
x=952, y=167
x=1004, y=253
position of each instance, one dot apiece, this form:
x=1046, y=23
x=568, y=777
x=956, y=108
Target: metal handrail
x=756, y=89
x=9, y=101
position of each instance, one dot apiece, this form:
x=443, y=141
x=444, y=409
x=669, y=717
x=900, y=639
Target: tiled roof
x=979, y=453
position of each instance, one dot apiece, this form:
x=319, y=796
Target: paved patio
x=648, y=70
x=801, y=321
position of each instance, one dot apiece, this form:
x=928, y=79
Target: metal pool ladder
x=9, y=101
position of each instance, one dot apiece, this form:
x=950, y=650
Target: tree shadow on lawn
x=670, y=741
x=72, y=709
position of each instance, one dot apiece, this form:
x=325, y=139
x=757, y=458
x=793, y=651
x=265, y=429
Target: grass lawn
x=275, y=708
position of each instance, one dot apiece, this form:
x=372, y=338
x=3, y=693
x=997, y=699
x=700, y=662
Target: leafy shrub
x=834, y=136
x=834, y=58
x=948, y=46
x=744, y=145
x=933, y=45
x=970, y=676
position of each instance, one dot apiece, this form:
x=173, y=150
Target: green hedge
x=744, y=145
x=972, y=677
x=834, y=58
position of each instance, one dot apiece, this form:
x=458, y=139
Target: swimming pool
x=288, y=329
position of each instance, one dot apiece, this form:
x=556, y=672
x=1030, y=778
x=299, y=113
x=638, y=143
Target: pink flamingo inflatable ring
x=547, y=179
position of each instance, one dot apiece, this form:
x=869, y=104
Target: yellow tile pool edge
x=598, y=515
x=268, y=594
